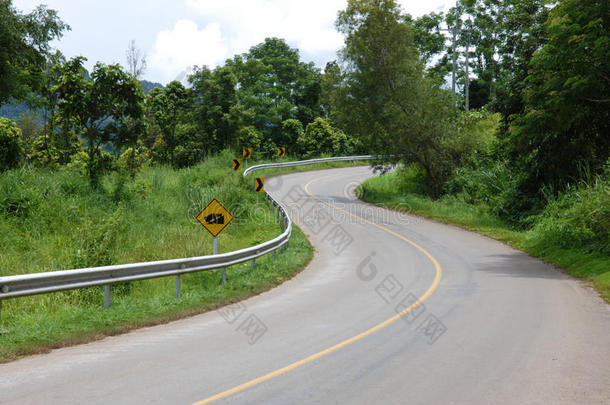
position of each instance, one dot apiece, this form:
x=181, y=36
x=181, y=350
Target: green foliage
x=567, y=96
x=24, y=43
x=167, y=109
x=249, y=137
x=99, y=107
x=53, y=220
x=95, y=243
x=274, y=85
x=572, y=231
x=215, y=110
x=580, y=217
x=321, y=138
x=385, y=99
x=11, y=145
x=292, y=129
x=430, y=42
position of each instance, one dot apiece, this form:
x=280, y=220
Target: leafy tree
x=249, y=137
x=24, y=43
x=292, y=129
x=430, y=43
x=386, y=100
x=321, y=137
x=523, y=34
x=565, y=124
x=169, y=107
x=11, y=145
x=330, y=83
x=96, y=107
x=273, y=86
x=189, y=149
x=215, y=108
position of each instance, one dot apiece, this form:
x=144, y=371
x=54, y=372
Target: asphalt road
x=393, y=310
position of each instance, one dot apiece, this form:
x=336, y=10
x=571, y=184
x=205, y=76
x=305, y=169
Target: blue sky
x=177, y=34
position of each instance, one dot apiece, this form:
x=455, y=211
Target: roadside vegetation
x=572, y=232
x=53, y=220
x=99, y=172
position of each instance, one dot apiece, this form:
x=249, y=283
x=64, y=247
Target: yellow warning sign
x=236, y=164
x=247, y=153
x=215, y=217
x=281, y=152
x=259, y=185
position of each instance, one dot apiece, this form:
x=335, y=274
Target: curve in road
x=500, y=327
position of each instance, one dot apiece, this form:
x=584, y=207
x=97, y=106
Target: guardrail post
x=253, y=264
x=107, y=296
x=224, y=275
x=273, y=253
x=0, y=317
x=178, y=285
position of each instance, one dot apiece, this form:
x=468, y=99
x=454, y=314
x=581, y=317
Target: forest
x=503, y=104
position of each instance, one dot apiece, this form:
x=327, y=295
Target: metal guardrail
x=42, y=283
x=308, y=162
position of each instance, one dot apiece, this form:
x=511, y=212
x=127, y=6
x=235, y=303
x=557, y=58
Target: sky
x=176, y=35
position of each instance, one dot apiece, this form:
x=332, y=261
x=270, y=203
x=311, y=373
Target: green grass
x=54, y=220
x=586, y=260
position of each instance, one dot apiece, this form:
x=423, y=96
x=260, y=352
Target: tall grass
x=53, y=220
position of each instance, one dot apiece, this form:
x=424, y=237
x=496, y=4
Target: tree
x=430, y=43
x=565, y=123
x=136, y=66
x=330, y=83
x=136, y=60
x=170, y=107
x=386, y=100
x=215, y=108
x=24, y=43
x=320, y=137
x=11, y=145
x=97, y=107
x=292, y=129
x=274, y=85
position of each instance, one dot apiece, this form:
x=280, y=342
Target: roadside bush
x=320, y=138
x=249, y=137
x=11, y=146
x=579, y=218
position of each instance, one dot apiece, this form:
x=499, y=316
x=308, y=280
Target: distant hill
x=12, y=111
x=148, y=86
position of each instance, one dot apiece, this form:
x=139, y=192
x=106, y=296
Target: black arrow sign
x=236, y=164
x=260, y=185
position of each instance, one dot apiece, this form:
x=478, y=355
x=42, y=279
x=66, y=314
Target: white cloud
x=309, y=25
x=186, y=45
x=233, y=26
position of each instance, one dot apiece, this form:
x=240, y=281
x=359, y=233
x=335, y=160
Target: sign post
x=215, y=218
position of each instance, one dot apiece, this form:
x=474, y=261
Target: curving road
x=392, y=310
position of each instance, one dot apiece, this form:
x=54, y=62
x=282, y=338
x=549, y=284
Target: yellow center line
x=376, y=328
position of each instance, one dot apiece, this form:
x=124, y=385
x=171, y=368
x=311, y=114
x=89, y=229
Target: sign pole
x=215, y=252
